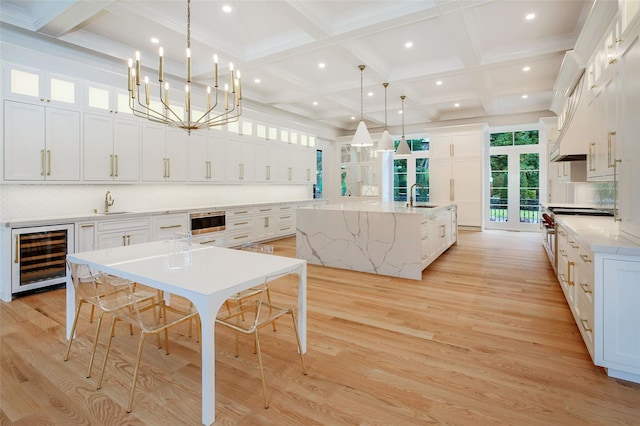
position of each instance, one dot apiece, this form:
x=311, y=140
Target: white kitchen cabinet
x=571, y=171
x=266, y=161
x=41, y=143
x=106, y=99
x=455, y=174
x=265, y=223
x=618, y=334
x=240, y=226
x=85, y=236
x=240, y=159
x=603, y=116
x=164, y=227
x=111, y=148
x=37, y=86
x=206, y=156
x=164, y=153
x=124, y=232
x=628, y=148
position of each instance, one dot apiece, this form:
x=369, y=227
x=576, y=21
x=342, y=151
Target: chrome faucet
x=411, y=192
x=108, y=201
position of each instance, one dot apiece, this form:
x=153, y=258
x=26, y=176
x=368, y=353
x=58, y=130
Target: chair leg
x=95, y=342
x=264, y=384
x=273, y=323
x=93, y=308
x=73, y=330
x=295, y=329
x=135, y=371
x=106, y=354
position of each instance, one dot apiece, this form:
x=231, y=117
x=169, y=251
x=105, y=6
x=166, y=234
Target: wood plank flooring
x=485, y=338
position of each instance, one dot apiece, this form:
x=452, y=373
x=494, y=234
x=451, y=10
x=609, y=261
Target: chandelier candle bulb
x=137, y=68
x=239, y=88
x=146, y=89
x=226, y=96
x=130, y=77
x=187, y=100
x=133, y=76
x=233, y=87
x=161, y=66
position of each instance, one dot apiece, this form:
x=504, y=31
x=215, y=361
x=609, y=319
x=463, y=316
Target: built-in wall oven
x=38, y=258
x=208, y=227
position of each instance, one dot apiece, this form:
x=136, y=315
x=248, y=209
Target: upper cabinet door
x=30, y=85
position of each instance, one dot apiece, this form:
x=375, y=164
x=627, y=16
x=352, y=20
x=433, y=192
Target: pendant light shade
x=403, y=147
x=386, y=141
x=362, y=136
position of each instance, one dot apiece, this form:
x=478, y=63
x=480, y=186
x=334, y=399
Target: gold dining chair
x=250, y=316
x=137, y=313
x=89, y=288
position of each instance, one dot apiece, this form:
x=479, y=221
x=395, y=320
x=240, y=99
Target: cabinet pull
x=569, y=280
x=240, y=236
x=585, y=325
x=171, y=226
x=168, y=167
x=585, y=258
x=86, y=226
x=563, y=253
x=242, y=212
x=208, y=169
x=111, y=165
x=266, y=222
x=265, y=210
x=592, y=150
x=128, y=240
x=42, y=166
x=17, y=256
x=452, y=186
x=308, y=174
x=268, y=172
x=450, y=150
x=285, y=217
x=573, y=244
x=609, y=156
x=124, y=240
x=48, y=162
x=442, y=231
x=585, y=287
x=290, y=173
x=116, y=161
x=241, y=223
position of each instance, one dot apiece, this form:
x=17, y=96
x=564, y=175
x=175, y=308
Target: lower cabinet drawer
x=239, y=237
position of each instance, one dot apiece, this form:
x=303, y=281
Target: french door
x=514, y=188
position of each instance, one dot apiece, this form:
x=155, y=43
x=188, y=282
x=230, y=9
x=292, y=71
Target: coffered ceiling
x=477, y=50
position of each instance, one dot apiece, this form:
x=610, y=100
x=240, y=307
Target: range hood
x=572, y=143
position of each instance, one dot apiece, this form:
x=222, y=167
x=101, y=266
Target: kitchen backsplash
x=27, y=201
x=597, y=193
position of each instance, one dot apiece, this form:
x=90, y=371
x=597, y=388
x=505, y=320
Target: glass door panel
x=499, y=189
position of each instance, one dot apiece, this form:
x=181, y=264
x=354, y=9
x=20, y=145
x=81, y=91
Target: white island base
x=385, y=238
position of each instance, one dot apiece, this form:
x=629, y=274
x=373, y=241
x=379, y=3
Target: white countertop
x=599, y=234
x=382, y=207
x=89, y=216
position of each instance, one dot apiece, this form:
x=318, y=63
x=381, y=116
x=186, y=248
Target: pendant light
x=386, y=141
x=403, y=147
x=362, y=136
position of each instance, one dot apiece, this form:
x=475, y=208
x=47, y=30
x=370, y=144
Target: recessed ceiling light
x=400, y=111
x=439, y=82
x=315, y=102
x=155, y=40
x=456, y=105
x=370, y=94
x=226, y=8
x=408, y=44
x=530, y=16
x=256, y=80
x=527, y=68
x=525, y=96
x=352, y=117
x=321, y=65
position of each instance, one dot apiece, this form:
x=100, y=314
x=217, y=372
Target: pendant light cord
x=188, y=24
x=402, y=97
x=385, y=105
x=361, y=93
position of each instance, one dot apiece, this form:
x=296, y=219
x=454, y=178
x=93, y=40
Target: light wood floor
x=485, y=338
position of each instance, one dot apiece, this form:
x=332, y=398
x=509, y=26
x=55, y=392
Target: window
x=412, y=170
x=359, y=171
x=317, y=187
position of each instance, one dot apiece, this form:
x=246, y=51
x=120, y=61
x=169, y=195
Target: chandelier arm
x=146, y=110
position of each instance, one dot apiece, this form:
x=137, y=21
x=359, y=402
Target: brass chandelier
x=163, y=112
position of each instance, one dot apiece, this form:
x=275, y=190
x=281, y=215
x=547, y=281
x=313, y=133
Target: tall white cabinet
x=455, y=173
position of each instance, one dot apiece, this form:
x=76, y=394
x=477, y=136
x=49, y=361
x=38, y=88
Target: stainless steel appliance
x=39, y=257
x=208, y=227
x=548, y=224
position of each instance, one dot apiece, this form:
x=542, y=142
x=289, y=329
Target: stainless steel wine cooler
x=39, y=256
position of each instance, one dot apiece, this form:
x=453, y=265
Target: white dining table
x=205, y=275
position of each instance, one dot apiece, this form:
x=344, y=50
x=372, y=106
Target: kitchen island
x=385, y=238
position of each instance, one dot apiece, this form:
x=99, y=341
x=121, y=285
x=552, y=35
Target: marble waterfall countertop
x=385, y=238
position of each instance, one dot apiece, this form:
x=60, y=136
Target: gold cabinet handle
x=116, y=160
x=124, y=240
x=585, y=287
x=42, y=166
x=48, y=162
x=308, y=174
x=171, y=226
x=442, y=231
x=290, y=173
x=585, y=258
x=241, y=223
x=128, y=240
x=585, y=325
x=111, y=165
x=17, y=256
x=452, y=187
x=616, y=215
x=240, y=236
x=563, y=253
x=609, y=156
x=592, y=150
x=569, y=280
x=268, y=172
x=168, y=167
